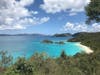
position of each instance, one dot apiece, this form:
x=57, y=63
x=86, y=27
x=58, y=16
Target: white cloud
x=35, y=12
x=24, y=23
x=26, y=2
x=54, y=6
x=44, y=19
x=77, y=27
x=33, y=21
x=4, y=27
x=72, y=14
x=15, y=15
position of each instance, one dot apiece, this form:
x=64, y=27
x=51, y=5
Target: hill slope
x=89, y=39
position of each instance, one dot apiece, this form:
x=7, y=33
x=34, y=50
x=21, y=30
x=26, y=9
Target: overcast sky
x=44, y=16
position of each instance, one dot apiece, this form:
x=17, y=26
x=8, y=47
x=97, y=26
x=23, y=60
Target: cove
x=26, y=46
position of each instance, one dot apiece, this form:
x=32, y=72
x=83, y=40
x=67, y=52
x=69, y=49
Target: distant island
x=23, y=35
x=62, y=35
x=34, y=34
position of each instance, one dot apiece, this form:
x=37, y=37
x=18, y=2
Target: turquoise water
x=28, y=45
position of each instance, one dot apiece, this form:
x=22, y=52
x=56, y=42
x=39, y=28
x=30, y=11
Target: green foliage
x=89, y=39
x=23, y=67
x=80, y=64
x=93, y=11
x=63, y=55
x=5, y=59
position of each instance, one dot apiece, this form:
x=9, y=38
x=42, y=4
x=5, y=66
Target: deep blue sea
x=28, y=45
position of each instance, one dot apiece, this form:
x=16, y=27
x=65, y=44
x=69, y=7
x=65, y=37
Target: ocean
x=27, y=46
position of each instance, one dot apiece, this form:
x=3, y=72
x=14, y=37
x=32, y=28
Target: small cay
x=47, y=41
x=60, y=42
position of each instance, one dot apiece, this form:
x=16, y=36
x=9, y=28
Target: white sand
x=85, y=48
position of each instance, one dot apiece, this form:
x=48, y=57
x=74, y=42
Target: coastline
x=86, y=49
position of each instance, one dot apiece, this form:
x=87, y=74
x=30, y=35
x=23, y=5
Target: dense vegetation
x=93, y=11
x=89, y=39
x=41, y=64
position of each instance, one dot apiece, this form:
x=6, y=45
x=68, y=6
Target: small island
x=47, y=41
x=60, y=42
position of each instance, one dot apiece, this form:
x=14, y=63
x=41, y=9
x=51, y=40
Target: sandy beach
x=86, y=49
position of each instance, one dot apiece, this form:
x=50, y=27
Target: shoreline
x=86, y=49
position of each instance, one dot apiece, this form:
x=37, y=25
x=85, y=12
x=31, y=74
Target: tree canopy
x=93, y=11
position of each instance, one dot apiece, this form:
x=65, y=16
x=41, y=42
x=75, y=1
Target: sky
x=44, y=17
